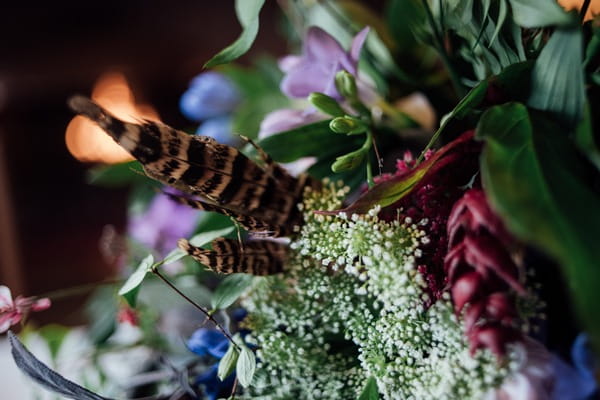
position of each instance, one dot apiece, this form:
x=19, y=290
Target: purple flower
x=210, y=95
x=286, y=119
x=162, y=224
x=219, y=128
x=208, y=341
x=322, y=57
x=577, y=383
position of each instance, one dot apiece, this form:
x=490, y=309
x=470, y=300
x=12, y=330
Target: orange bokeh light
x=86, y=141
x=594, y=8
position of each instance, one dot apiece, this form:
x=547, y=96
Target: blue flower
x=213, y=386
x=208, y=341
x=210, y=95
x=219, y=128
x=577, y=383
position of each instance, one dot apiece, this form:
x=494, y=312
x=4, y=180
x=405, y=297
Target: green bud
x=346, y=85
x=326, y=104
x=347, y=125
x=349, y=161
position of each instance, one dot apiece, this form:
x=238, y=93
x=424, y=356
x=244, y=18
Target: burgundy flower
x=12, y=312
x=482, y=274
x=322, y=57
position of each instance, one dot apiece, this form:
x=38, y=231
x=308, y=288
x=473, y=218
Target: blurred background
x=51, y=220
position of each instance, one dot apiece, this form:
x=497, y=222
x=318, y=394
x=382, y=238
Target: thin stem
x=234, y=389
x=76, y=290
x=584, y=8
x=367, y=146
x=197, y=306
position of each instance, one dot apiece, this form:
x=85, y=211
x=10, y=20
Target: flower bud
x=346, y=84
x=326, y=104
x=349, y=161
x=347, y=125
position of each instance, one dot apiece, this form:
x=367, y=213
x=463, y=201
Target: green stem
x=367, y=146
x=433, y=139
x=76, y=290
x=197, y=306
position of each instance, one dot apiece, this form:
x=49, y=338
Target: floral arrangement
x=389, y=255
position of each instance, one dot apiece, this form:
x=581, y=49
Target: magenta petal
x=320, y=45
x=357, y=44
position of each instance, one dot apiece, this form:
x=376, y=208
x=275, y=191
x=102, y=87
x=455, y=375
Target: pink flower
x=11, y=313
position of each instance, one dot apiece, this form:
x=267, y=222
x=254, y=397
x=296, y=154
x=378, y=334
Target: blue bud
x=219, y=128
x=210, y=94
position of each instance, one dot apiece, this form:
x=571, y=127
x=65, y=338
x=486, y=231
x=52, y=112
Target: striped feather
x=260, y=257
x=199, y=165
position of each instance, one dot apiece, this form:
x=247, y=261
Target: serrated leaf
x=131, y=287
x=230, y=289
x=349, y=161
x=247, y=13
x=557, y=77
x=370, y=392
x=535, y=181
x=44, y=376
x=228, y=362
x=539, y=13
x=246, y=366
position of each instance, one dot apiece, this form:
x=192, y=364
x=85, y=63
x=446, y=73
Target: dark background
x=50, y=218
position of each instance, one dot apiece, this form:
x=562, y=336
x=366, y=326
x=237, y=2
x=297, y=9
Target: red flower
x=11, y=313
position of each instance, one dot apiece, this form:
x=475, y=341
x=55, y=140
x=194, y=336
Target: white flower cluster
x=351, y=306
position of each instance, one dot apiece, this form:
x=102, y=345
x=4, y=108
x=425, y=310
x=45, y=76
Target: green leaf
x=307, y=140
x=584, y=138
x=230, y=289
x=539, y=13
x=228, y=362
x=557, y=77
x=117, y=175
x=370, y=392
x=534, y=180
x=247, y=13
x=246, y=366
x=131, y=287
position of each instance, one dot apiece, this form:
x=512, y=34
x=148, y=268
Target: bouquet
x=392, y=211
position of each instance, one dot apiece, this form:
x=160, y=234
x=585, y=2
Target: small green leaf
x=557, y=77
x=246, y=366
x=533, y=177
x=349, y=161
x=130, y=289
x=204, y=238
x=247, y=13
x=370, y=392
x=228, y=362
x=539, y=13
x=230, y=289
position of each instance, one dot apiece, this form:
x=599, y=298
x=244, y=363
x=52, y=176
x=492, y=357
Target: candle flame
x=89, y=143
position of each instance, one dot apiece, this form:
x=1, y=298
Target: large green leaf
x=538, y=13
x=532, y=175
x=557, y=77
x=307, y=140
x=247, y=13
x=117, y=175
x=585, y=139
x=230, y=289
